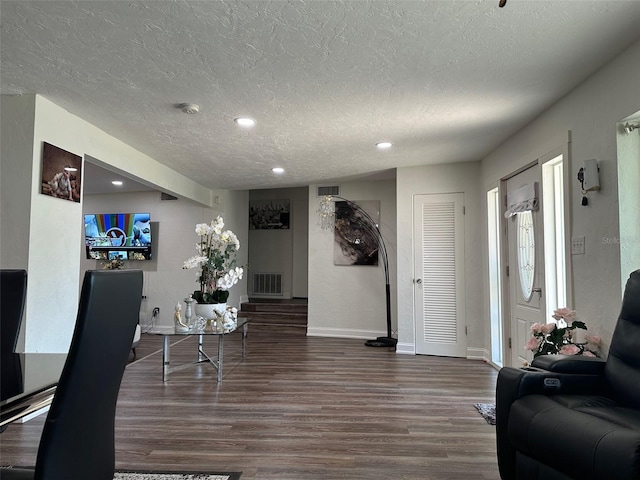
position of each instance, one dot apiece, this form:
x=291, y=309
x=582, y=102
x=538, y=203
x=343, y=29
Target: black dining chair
x=78, y=437
x=13, y=292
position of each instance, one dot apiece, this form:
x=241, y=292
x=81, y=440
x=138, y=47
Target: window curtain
x=523, y=199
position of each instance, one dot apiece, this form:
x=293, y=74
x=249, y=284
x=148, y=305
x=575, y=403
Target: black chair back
x=78, y=437
x=13, y=292
x=623, y=363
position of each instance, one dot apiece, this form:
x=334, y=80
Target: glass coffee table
x=169, y=331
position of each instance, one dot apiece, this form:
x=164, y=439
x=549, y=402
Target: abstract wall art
x=354, y=236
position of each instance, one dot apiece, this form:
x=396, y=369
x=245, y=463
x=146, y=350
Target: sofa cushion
x=583, y=401
x=581, y=436
x=531, y=469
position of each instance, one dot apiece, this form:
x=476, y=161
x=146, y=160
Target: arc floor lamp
x=327, y=214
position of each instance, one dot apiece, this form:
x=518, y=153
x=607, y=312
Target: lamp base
x=382, y=342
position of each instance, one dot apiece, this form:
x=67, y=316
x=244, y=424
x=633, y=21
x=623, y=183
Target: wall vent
x=267, y=284
x=166, y=196
x=329, y=190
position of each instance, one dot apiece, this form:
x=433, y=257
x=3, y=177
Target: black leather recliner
x=569, y=417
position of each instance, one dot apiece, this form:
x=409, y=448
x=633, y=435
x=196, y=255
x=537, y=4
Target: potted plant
x=218, y=272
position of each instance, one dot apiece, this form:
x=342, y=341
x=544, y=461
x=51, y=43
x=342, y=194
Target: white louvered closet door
x=439, y=274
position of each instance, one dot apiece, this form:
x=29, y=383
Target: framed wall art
x=61, y=173
x=355, y=242
x=269, y=214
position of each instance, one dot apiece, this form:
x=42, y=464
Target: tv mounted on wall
x=118, y=235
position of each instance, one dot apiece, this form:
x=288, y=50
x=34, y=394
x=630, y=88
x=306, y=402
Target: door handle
x=537, y=290
x=418, y=281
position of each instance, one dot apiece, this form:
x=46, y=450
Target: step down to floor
x=283, y=316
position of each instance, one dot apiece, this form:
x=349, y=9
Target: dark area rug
x=149, y=475
x=488, y=411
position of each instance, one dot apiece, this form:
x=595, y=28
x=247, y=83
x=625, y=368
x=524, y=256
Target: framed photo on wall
x=269, y=214
x=61, y=173
x=354, y=241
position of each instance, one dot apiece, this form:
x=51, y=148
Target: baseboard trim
x=477, y=354
x=342, y=333
x=405, y=349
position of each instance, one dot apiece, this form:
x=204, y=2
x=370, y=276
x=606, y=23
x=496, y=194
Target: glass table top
x=27, y=379
x=196, y=330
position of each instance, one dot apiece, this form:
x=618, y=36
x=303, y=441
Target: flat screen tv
x=118, y=235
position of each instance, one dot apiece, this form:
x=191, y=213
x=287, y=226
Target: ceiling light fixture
x=117, y=183
x=70, y=169
x=278, y=170
x=384, y=145
x=245, y=121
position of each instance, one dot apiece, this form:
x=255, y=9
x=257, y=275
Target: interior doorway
x=438, y=233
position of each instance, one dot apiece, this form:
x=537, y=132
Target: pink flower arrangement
x=543, y=328
x=564, y=314
x=569, y=349
x=552, y=338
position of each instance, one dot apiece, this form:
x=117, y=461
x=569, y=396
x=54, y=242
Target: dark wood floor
x=302, y=408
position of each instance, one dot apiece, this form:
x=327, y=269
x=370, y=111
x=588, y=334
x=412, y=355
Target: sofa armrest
x=570, y=364
x=514, y=383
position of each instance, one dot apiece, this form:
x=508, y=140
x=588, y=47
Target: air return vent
x=267, y=284
x=329, y=190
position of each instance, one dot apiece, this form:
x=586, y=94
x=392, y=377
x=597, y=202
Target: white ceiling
x=445, y=81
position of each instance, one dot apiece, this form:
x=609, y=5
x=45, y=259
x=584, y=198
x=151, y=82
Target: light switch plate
x=577, y=246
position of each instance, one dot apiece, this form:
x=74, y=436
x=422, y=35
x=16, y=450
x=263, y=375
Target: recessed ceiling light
x=278, y=170
x=117, y=183
x=245, y=121
x=383, y=145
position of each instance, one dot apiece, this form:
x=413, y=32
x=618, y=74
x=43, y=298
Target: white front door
x=439, y=297
x=526, y=269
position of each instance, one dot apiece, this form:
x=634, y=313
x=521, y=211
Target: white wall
x=450, y=178
x=52, y=226
x=16, y=165
x=300, y=225
x=590, y=113
x=349, y=301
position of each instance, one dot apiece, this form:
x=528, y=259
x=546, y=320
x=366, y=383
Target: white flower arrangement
x=216, y=260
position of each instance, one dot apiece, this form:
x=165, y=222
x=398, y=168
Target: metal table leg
x=245, y=329
x=166, y=344
x=220, y=356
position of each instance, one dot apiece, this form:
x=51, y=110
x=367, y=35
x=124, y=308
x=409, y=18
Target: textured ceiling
x=445, y=81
